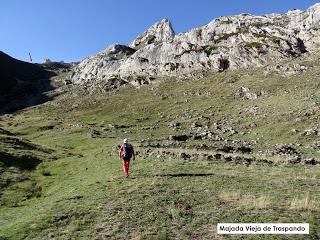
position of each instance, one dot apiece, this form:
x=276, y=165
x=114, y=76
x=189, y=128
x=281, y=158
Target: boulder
x=316, y=145
x=311, y=161
x=310, y=132
x=182, y=138
x=247, y=94
x=184, y=156
x=285, y=149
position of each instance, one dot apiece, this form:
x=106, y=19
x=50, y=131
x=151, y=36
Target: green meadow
x=61, y=177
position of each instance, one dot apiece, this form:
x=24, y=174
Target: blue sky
x=71, y=30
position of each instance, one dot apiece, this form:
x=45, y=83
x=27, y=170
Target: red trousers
x=125, y=167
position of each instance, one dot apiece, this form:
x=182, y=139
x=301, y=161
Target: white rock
x=233, y=42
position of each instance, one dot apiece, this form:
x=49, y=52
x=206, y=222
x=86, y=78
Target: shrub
x=256, y=45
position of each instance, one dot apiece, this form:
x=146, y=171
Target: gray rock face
x=234, y=42
x=159, y=32
x=247, y=94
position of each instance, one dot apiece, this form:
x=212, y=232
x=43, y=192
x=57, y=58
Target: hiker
x=126, y=152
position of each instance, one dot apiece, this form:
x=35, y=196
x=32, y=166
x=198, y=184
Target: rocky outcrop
x=160, y=32
x=247, y=94
x=286, y=70
x=232, y=42
x=306, y=25
x=285, y=149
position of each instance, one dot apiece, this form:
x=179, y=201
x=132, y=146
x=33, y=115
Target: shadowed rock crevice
x=224, y=64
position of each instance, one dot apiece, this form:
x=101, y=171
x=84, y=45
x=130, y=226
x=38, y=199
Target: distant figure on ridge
x=126, y=152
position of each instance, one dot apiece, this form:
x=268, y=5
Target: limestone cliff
x=232, y=42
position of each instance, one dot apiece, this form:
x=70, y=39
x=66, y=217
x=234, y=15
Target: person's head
x=125, y=140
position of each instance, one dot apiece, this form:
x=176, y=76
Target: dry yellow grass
x=245, y=200
x=305, y=203
x=229, y=197
x=261, y=202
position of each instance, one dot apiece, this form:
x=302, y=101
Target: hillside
x=237, y=146
x=18, y=158
x=24, y=84
x=13, y=71
x=18, y=78
x=224, y=119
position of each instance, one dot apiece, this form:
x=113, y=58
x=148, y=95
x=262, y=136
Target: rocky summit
x=232, y=42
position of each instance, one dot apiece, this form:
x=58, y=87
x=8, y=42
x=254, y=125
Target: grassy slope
x=85, y=196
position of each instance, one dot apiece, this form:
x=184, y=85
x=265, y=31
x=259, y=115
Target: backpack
x=127, y=150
